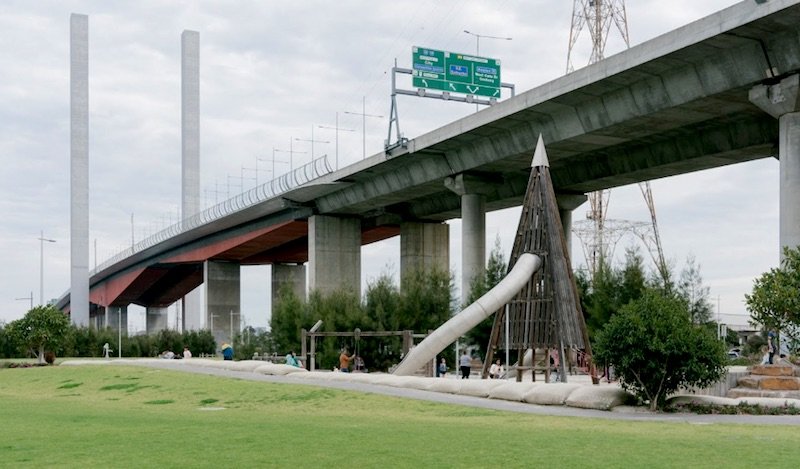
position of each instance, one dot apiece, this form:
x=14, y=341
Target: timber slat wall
x=546, y=312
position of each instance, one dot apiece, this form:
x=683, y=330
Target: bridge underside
x=166, y=281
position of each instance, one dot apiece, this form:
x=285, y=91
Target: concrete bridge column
x=293, y=275
x=567, y=203
x=156, y=319
x=424, y=246
x=334, y=253
x=222, y=299
x=472, y=190
x=781, y=101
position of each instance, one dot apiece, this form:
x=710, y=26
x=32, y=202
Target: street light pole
x=232, y=314
x=312, y=141
x=337, y=129
x=478, y=40
x=119, y=331
x=291, y=153
x=364, y=116
x=30, y=298
x=42, y=239
x=478, y=44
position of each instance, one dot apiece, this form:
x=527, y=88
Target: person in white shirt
x=495, y=370
x=187, y=353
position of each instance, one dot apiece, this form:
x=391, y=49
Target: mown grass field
x=126, y=416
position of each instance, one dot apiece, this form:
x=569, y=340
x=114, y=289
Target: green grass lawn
x=125, y=416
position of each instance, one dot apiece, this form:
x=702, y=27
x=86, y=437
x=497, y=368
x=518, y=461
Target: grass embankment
x=124, y=416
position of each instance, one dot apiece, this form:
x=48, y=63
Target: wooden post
x=408, y=341
x=303, y=339
x=312, y=356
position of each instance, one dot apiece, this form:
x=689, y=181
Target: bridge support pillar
x=781, y=101
x=334, y=253
x=567, y=203
x=156, y=319
x=424, y=246
x=222, y=299
x=473, y=190
x=291, y=275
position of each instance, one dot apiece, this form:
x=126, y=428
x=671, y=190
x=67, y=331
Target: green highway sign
x=455, y=73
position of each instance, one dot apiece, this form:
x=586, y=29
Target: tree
x=288, y=317
x=775, y=300
x=600, y=299
x=655, y=349
x=692, y=290
x=381, y=302
x=42, y=328
x=340, y=311
x=426, y=297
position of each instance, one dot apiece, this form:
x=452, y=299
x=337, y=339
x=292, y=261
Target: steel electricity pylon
x=598, y=234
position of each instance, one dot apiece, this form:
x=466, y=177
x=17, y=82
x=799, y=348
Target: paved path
x=620, y=413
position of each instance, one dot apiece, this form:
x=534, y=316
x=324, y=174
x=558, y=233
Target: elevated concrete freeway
x=719, y=91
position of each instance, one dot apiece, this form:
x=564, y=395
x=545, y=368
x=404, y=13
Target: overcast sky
x=271, y=71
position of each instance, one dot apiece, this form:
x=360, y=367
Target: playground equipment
x=538, y=295
x=454, y=328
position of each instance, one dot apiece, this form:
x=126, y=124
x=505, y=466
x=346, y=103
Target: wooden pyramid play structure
x=546, y=313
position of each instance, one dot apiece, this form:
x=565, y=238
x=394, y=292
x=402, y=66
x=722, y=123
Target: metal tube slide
x=462, y=322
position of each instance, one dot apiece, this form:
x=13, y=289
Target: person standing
x=442, y=368
x=186, y=352
x=771, y=346
x=106, y=350
x=466, y=364
x=344, y=361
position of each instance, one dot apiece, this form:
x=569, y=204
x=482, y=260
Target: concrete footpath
x=360, y=384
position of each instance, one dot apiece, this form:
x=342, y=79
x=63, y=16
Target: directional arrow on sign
x=496, y=93
x=452, y=87
x=425, y=83
x=473, y=91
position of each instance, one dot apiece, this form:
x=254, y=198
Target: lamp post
x=291, y=151
x=478, y=40
x=232, y=314
x=312, y=141
x=42, y=240
x=212, y=316
x=119, y=332
x=337, y=129
x=478, y=44
x=364, y=116
x=30, y=298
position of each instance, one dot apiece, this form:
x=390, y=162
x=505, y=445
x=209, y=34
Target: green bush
x=655, y=349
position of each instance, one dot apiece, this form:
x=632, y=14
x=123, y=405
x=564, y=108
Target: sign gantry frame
x=458, y=73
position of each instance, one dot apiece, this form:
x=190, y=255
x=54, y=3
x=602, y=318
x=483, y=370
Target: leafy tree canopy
x=42, y=328
x=655, y=349
x=691, y=288
x=775, y=299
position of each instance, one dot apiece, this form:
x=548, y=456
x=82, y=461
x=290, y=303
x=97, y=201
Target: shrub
x=655, y=349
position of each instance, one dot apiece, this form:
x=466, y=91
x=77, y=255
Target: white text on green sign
x=456, y=73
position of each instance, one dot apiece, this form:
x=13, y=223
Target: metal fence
x=279, y=185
